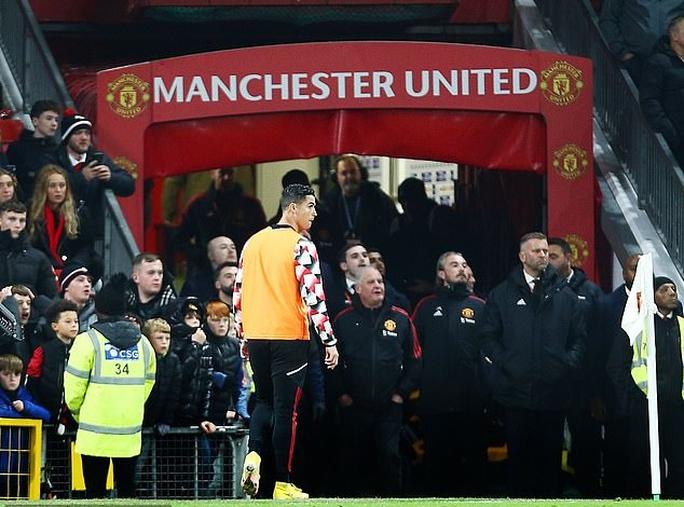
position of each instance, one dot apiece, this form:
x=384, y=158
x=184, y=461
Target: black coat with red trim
x=379, y=354
x=447, y=324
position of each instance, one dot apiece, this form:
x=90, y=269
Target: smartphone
x=99, y=156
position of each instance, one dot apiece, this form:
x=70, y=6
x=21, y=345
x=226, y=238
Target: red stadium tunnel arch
x=495, y=108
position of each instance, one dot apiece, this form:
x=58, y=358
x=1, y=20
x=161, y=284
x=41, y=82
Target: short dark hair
x=342, y=253
x=14, y=206
x=564, y=245
x=219, y=268
x=531, y=235
x=672, y=25
x=22, y=290
x=40, y=106
x=56, y=309
x=295, y=193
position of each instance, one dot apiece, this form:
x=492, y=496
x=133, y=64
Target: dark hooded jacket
x=29, y=154
x=21, y=263
x=532, y=349
x=162, y=405
x=662, y=94
x=211, y=379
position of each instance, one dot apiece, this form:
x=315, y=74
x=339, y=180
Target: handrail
x=119, y=245
x=647, y=160
x=28, y=56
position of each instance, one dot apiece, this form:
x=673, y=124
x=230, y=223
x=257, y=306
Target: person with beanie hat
x=669, y=331
x=76, y=285
x=108, y=378
x=90, y=172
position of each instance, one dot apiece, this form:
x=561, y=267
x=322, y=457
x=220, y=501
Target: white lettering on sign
x=344, y=85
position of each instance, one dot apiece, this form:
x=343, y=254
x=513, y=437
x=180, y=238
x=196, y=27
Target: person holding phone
x=90, y=172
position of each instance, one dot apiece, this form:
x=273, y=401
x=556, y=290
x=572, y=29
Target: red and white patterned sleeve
x=308, y=273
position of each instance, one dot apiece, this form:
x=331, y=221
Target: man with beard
x=585, y=429
x=358, y=209
x=224, y=280
x=451, y=397
x=90, y=172
x=223, y=210
x=200, y=284
x=533, y=335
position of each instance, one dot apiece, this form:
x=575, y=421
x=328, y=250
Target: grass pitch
x=360, y=502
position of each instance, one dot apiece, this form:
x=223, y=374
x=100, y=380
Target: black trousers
x=371, y=461
x=535, y=447
x=670, y=427
x=279, y=369
x=455, y=454
x=95, y=470
x=586, y=450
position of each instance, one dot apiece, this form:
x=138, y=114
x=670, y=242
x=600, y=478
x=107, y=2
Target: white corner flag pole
x=638, y=319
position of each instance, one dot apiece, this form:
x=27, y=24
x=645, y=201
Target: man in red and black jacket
x=380, y=355
x=452, y=396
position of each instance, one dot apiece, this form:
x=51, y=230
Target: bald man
x=200, y=284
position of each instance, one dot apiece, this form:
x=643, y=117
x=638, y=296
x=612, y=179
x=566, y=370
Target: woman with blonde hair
x=57, y=226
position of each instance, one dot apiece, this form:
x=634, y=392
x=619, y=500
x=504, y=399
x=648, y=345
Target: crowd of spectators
x=647, y=37
x=536, y=352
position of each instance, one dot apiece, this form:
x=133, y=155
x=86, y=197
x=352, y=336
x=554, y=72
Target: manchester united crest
x=467, y=313
x=128, y=95
x=579, y=247
x=561, y=83
x=127, y=165
x=390, y=325
x=570, y=161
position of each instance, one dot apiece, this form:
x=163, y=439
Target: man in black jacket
x=36, y=147
x=585, y=429
x=533, y=334
x=451, y=396
x=20, y=263
x=380, y=355
x=662, y=87
x=356, y=208
x=90, y=172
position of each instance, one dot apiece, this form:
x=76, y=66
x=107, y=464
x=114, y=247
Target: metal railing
x=27, y=56
x=119, y=245
x=647, y=160
x=185, y=464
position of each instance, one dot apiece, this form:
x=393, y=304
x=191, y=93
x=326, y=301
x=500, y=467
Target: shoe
x=250, y=474
x=288, y=491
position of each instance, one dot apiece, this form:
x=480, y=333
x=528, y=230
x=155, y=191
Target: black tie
x=536, y=292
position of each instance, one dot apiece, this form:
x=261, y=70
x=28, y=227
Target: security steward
x=451, y=399
x=108, y=377
x=380, y=354
x=669, y=330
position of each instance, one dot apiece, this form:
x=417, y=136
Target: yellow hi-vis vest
x=640, y=358
x=105, y=389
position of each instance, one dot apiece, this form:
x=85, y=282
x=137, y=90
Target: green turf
x=363, y=502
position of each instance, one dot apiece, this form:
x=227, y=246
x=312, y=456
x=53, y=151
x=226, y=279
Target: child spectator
x=161, y=406
x=15, y=402
x=46, y=368
x=185, y=315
